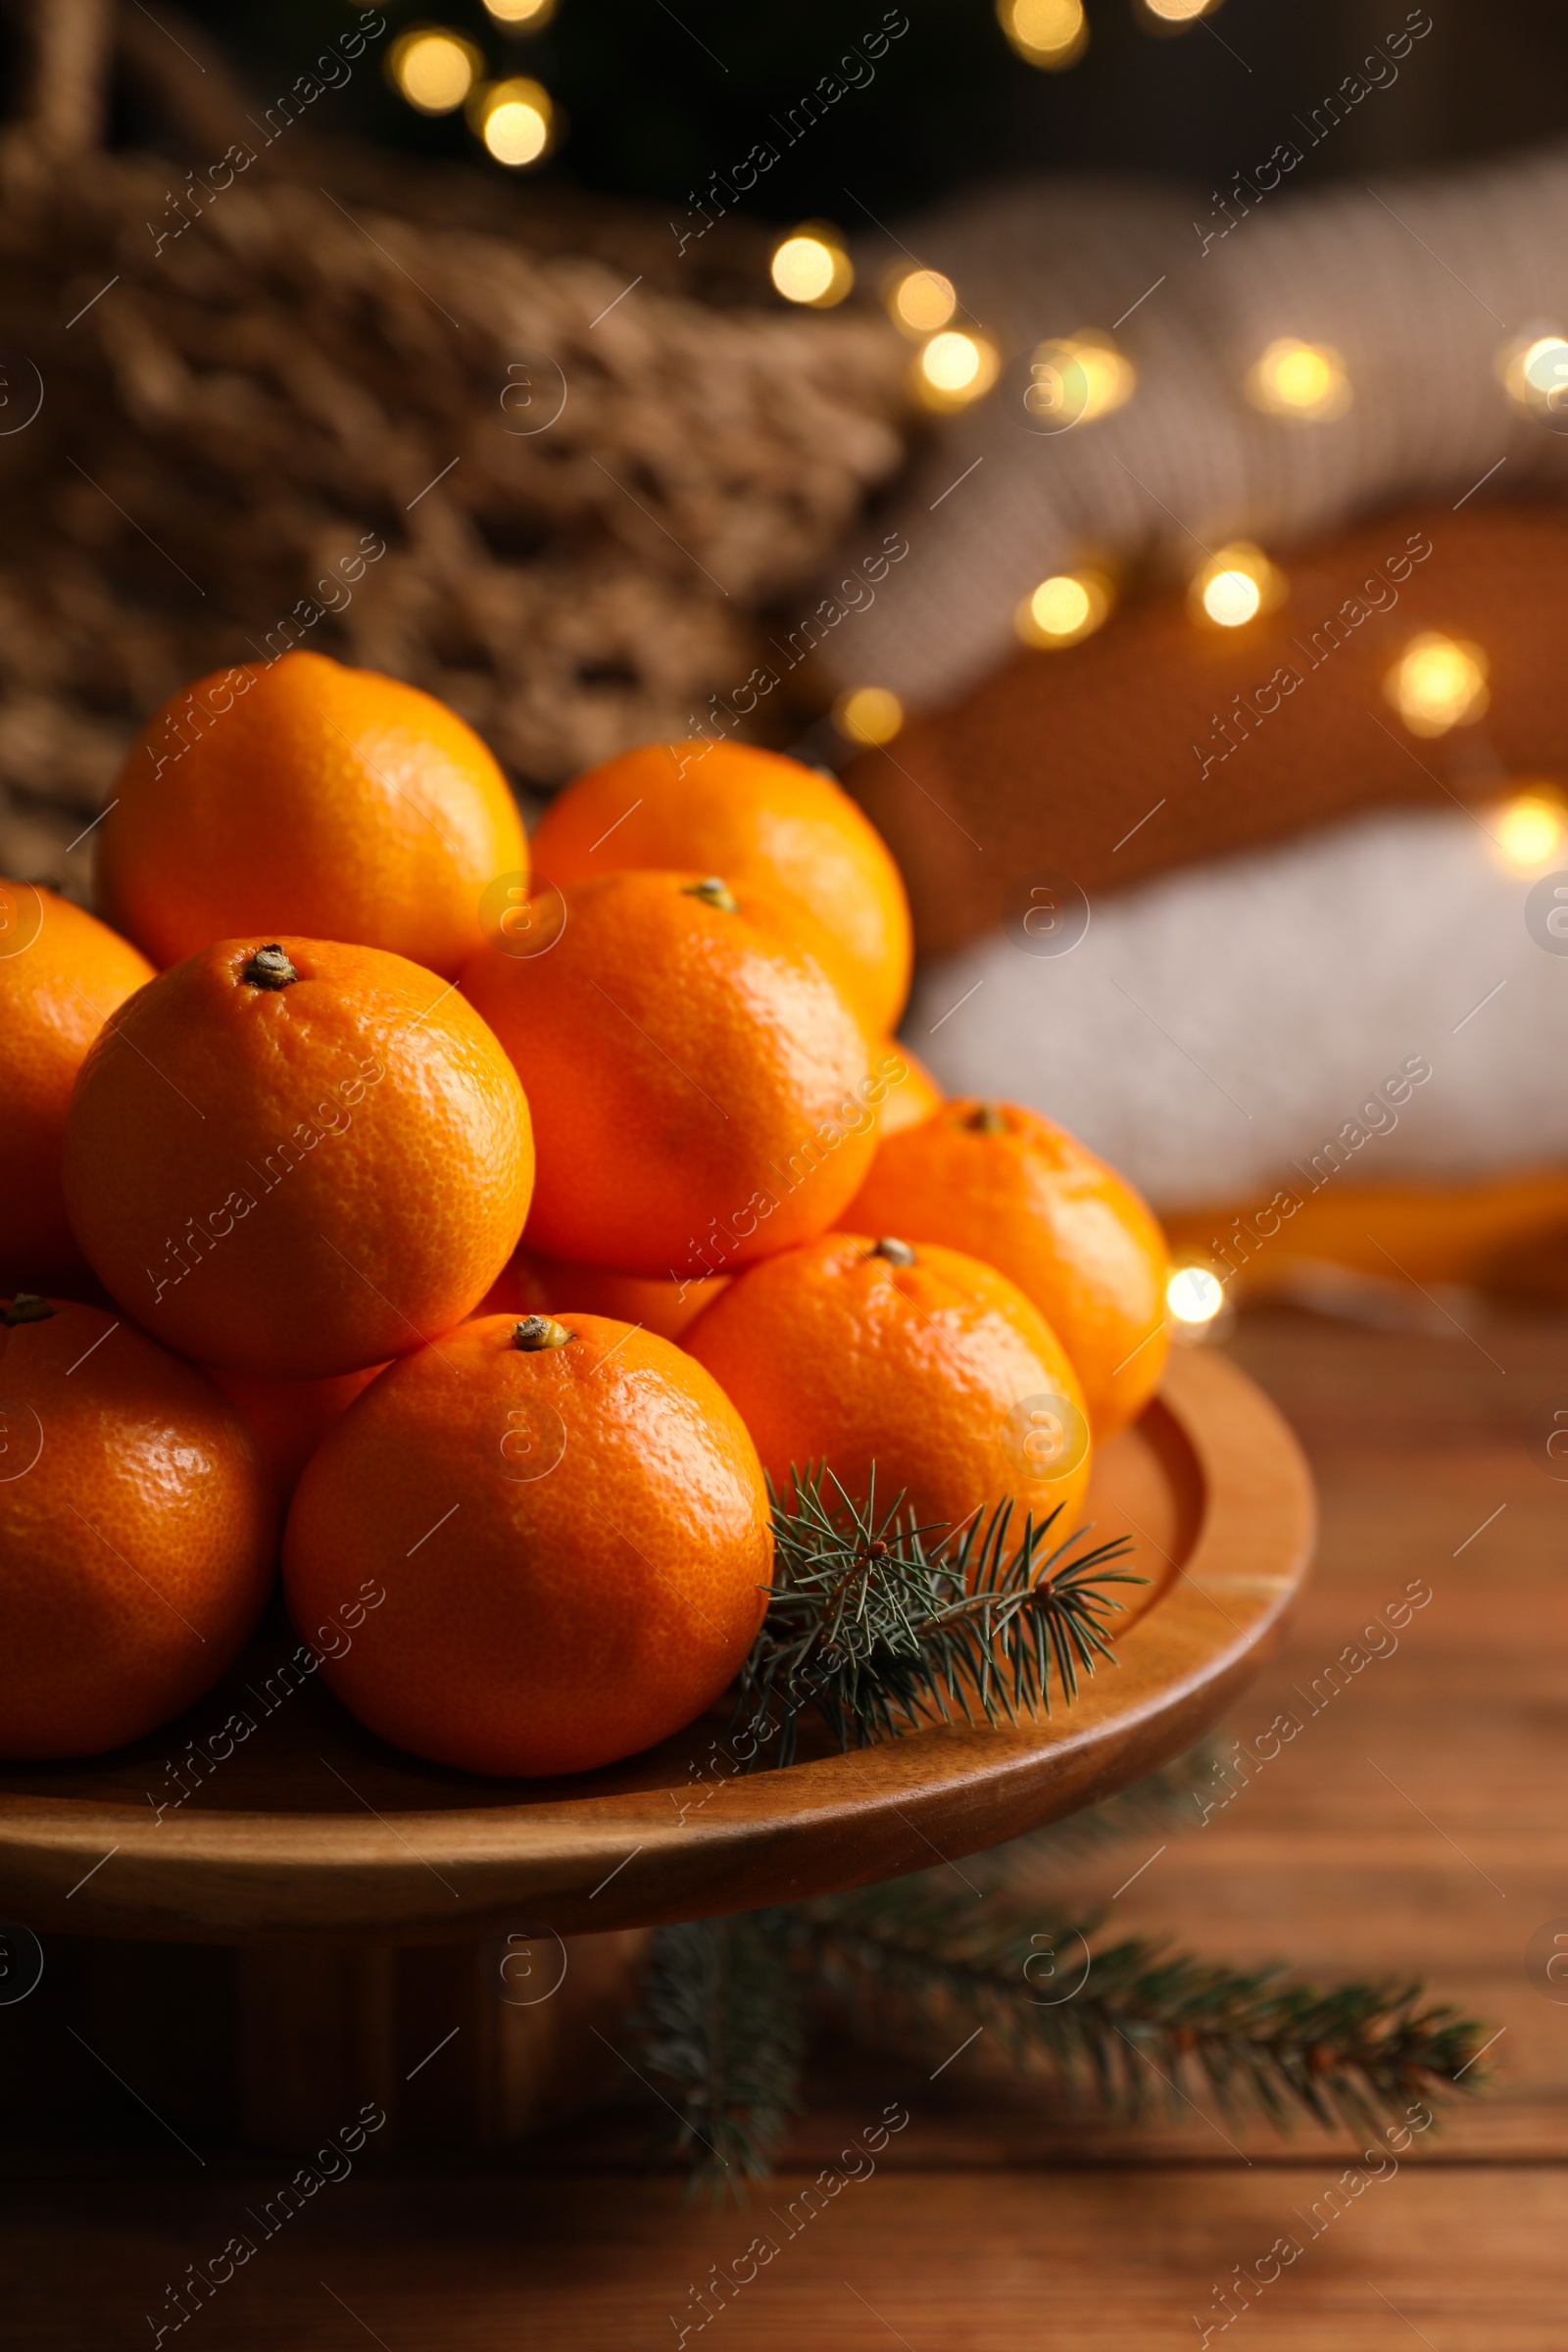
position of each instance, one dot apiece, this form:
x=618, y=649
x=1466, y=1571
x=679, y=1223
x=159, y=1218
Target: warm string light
x=1050, y=33
x=1073, y=380
x=1063, y=609
x=1194, y=1296
x=811, y=266
x=1531, y=828
x=1236, y=585
x=1110, y=376
x=1535, y=375
x=1438, y=682
x=868, y=715
x=434, y=68
x=920, y=301
x=1180, y=12
x=515, y=120
x=1076, y=378
x=521, y=16
x=1304, y=381
x=954, y=368
x=437, y=70
x=1231, y=598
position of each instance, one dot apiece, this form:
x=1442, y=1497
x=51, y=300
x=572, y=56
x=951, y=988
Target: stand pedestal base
x=453, y=2043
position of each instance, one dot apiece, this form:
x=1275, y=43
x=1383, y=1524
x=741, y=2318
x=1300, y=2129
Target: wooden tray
x=311, y=1826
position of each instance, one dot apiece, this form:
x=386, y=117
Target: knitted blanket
x=1418, y=285
x=1381, y=1001
x=1160, y=741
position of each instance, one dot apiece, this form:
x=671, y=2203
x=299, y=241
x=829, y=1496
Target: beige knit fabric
x=1418, y=284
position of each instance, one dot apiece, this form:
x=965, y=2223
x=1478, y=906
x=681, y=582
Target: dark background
x=651, y=112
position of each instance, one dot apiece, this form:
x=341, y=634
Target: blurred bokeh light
x=1437, y=683
x=868, y=715
x=811, y=266
x=434, y=68
x=954, y=368
x=1304, y=380
x=515, y=118
x=1236, y=585
x=1053, y=33
x=921, y=300
x=1064, y=609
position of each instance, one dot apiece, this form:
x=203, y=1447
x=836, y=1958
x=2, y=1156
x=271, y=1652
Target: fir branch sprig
x=877, y=1621
x=1134, y=2025
x=1137, y=2026
x=722, y=2024
x=1119, y=2029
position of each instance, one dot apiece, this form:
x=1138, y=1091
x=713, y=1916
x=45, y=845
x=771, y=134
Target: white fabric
x=1418, y=284
x=1220, y=1022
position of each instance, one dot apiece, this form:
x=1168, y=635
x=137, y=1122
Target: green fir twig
x=1133, y=2025
x=881, y=1624
x=723, y=2026
x=877, y=1621
x=1122, y=2030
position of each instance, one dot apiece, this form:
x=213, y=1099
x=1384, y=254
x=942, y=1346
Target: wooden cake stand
x=330, y=1854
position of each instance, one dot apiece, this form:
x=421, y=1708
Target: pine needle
x=1134, y=2025
x=723, y=2025
x=878, y=1622
x=1122, y=2030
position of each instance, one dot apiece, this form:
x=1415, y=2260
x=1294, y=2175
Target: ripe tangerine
x=303, y=796
x=297, y=1159
x=137, y=1532
x=62, y=974
x=1016, y=1190
x=571, y=1528
x=923, y=1361
x=759, y=820
x=699, y=1087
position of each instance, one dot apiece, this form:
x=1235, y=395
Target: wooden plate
x=306, y=1824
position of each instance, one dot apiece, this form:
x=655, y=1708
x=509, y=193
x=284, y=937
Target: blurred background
x=1124, y=438
x=654, y=100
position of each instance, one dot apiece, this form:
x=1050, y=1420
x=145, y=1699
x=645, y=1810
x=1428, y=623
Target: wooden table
x=1419, y=1824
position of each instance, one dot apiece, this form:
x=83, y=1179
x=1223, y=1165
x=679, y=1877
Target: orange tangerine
x=570, y=1526
x=1020, y=1191
x=301, y=796
x=699, y=1087
x=297, y=1157
x=137, y=1530
x=923, y=1361
x=760, y=820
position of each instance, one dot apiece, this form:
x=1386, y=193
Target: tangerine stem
x=268, y=967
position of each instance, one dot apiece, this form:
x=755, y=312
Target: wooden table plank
x=990, y=2222
x=1473, y=2259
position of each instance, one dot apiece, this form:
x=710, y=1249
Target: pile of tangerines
x=476, y=1245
